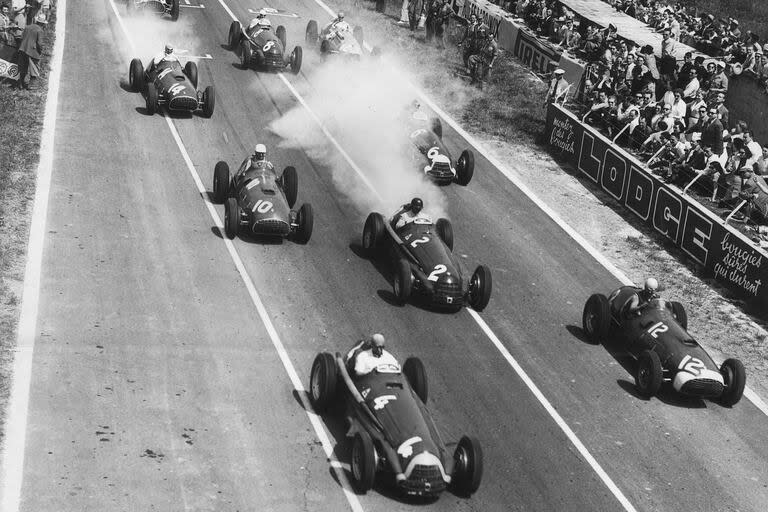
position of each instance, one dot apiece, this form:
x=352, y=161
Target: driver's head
x=416, y=204
x=262, y=13
x=340, y=16
x=265, y=24
x=260, y=153
x=650, y=287
x=377, y=344
x=168, y=49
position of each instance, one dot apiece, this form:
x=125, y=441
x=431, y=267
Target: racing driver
x=368, y=355
x=409, y=212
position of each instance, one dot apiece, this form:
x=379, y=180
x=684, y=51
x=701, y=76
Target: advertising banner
x=8, y=66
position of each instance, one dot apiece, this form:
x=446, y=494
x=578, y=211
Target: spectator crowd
x=21, y=28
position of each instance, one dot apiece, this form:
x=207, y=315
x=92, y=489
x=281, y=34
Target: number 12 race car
x=170, y=85
x=263, y=49
x=656, y=336
x=392, y=429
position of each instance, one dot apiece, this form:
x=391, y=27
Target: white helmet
x=651, y=285
x=260, y=153
x=340, y=16
x=262, y=13
x=265, y=23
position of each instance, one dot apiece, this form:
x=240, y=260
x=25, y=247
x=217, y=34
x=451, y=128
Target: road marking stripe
x=314, y=419
x=18, y=405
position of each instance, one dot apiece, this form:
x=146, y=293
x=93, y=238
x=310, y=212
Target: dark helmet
x=416, y=204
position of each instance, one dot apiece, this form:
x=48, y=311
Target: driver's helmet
x=377, y=344
x=416, y=205
x=168, y=49
x=340, y=16
x=649, y=288
x=262, y=13
x=265, y=24
x=260, y=153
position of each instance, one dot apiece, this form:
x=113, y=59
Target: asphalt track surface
x=155, y=385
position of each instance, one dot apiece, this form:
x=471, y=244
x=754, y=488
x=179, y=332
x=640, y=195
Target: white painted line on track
x=14, y=442
x=314, y=419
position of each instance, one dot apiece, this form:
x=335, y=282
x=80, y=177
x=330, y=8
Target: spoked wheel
x=468, y=466
x=152, y=99
x=595, y=319
x=305, y=220
x=465, y=167
x=373, y=234
x=649, y=374
x=209, y=101
x=322, y=382
x=403, y=282
x=136, y=73
x=233, y=38
x=480, y=288
x=231, y=218
x=296, y=58
x=363, y=461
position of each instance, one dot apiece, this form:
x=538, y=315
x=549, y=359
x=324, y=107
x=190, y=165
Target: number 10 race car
x=392, y=429
x=656, y=336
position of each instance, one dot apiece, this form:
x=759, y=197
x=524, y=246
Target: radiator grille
x=424, y=480
x=271, y=227
x=702, y=387
x=187, y=103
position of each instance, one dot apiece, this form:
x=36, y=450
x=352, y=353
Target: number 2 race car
x=657, y=337
x=160, y=7
x=424, y=262
x=258, y=200
x=392, y=429
x=263, y=49
x=170, y=85
x=440, y=166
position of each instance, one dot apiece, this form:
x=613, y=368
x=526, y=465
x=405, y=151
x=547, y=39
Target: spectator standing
x=415, y=9
x=6, y=37
x=30, y=51
x=441, y=22
x=468, y=42
x=33, y=6
x=755, y=151
x=722, y=111
x=712, y=134
x=558, y=87
x=679, y=108
x=761, y=164
x=719, y=82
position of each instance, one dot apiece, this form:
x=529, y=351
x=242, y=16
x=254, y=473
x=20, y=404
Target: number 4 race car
x=172, y=86
x=424, y=262
x=392, y=429
x=657, y=337
x=161, y=7
x=263, y=49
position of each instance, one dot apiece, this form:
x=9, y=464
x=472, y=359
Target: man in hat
x=30, y=51
x=733, y=28
x=719, y=82
x=558, y=87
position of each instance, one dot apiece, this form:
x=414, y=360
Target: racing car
x=171, y=86
x=161, y=7
x=346, y=42
x=263, y=49
x=427, y=138
x=257, y=201
x=392, y=430
x=424, y=263
x=657, y=337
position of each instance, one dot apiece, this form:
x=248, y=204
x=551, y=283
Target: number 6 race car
x=258, y=200
x=657, y=337
x=392, y=429
x=263, y=49
x=161, y=7
x=172, y=86
x=424, y=262
x=440, y=166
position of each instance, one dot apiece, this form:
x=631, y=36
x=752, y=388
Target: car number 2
x=262, y=206
x=439, y=269
x=418, y=241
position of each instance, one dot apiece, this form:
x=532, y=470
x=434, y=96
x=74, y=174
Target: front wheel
x=152, y=99
x=735, y=379
x=174, y=10
x=465, y=167
x=436, y=126
x=221, y=182
x=231, y=218
x=403, y=282
x=649, y=374
x=678, y=311
x=468, y=466
x=305, y=221
x=246, y=56
x=136, y=74
x=191, y=71
x=322, y=382
x=310, y=36
x=233, y=39
x=595, y=318
x=296, y=58
x=373, y=234
x=480, y=288
x=357, y=33
x=445, y=232
x=363, y=461
x=209, y=101
x=290, y=184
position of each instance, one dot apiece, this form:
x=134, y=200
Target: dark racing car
x=171, y=86
x=256, y=201
x=423, y=262
x=159, y=7
x=657, y=337
x=263, y=49
x=392, y=430
x=438, y=164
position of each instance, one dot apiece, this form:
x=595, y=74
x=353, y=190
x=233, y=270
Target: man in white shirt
x=368, y=355
x=410, y=212
x=754, y=148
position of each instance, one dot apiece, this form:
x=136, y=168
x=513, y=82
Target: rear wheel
x=363, y=461
x=436, y=126
x=465, y=167
x=357, y=32
x=735, y=378
x=595, y=319
x=231, y=218
x=296, y=57
x=649, y=374
x=417, y=377
x=136, y=73
x=373, y=234
x=678, y=311
x=209, y=101
x=305, y=220
x=221, y=181
x=175, y=10
x=234, y=35
x=290, y=184
x=322, y=382
x=403, y=282
x=445, y=232
x=246, y=56
x=468, y=466
x=311, y=35
x=191, y=71
x=152, y=99
x=480, y=288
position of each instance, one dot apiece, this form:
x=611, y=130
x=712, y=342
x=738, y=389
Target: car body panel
x=268, y=47
x=262, y=200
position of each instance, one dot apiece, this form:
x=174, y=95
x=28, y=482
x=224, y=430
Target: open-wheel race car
x=392, y=432
x=263, y=49
x=335, y=40
x=171, y=86
x=159, y=7
x=258, y=202
x=424, y=262
x=656, y=335
x=438, y=164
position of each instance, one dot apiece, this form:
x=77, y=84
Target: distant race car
x=421, y=252
x=263, y=50
x=427, y=138
x=345, y=42
x=258, y=202
x=171, y=86
x=160, y=7
x=657, y=337
x=392, y=429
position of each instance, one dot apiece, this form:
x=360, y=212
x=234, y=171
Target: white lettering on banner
x=532, y=56
x=667, y=213
x=737, y=263
x=590, y=164
x=696, y=235
x=640, y=191
x=562, y=136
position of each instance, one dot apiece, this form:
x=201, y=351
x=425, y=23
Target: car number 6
x=439, y=269
x=433, y=152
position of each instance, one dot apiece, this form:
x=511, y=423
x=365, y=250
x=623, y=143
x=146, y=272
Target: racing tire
x=280, y=33
x=678, y=311
x=468, y=466
x=436, y=126
x=175, y=10
x=325, y=46
x=445, y=232
x=414, y=371
x=357, y=33
x=246, y=56
x=209, y=101
x=305, y=220
x=363, y=461
x=151, y=99
x=290, y=183
x=297, y=56
x=231, y=218
x=311, y=34
x=136, y=74
x=480, y=287
x=402, y=285
x=465, y=167
x=596, y=318
x=373, y=234
x=233, y=39
x=221, y=181
x=323, y=380
x=191, y=71
x=735, y=378
x=648, y=378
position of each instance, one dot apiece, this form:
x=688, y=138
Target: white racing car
x=160, y=7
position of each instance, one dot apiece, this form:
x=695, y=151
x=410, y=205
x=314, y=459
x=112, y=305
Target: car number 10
x=262, y=206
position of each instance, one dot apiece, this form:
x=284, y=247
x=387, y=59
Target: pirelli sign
x=535, y=54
